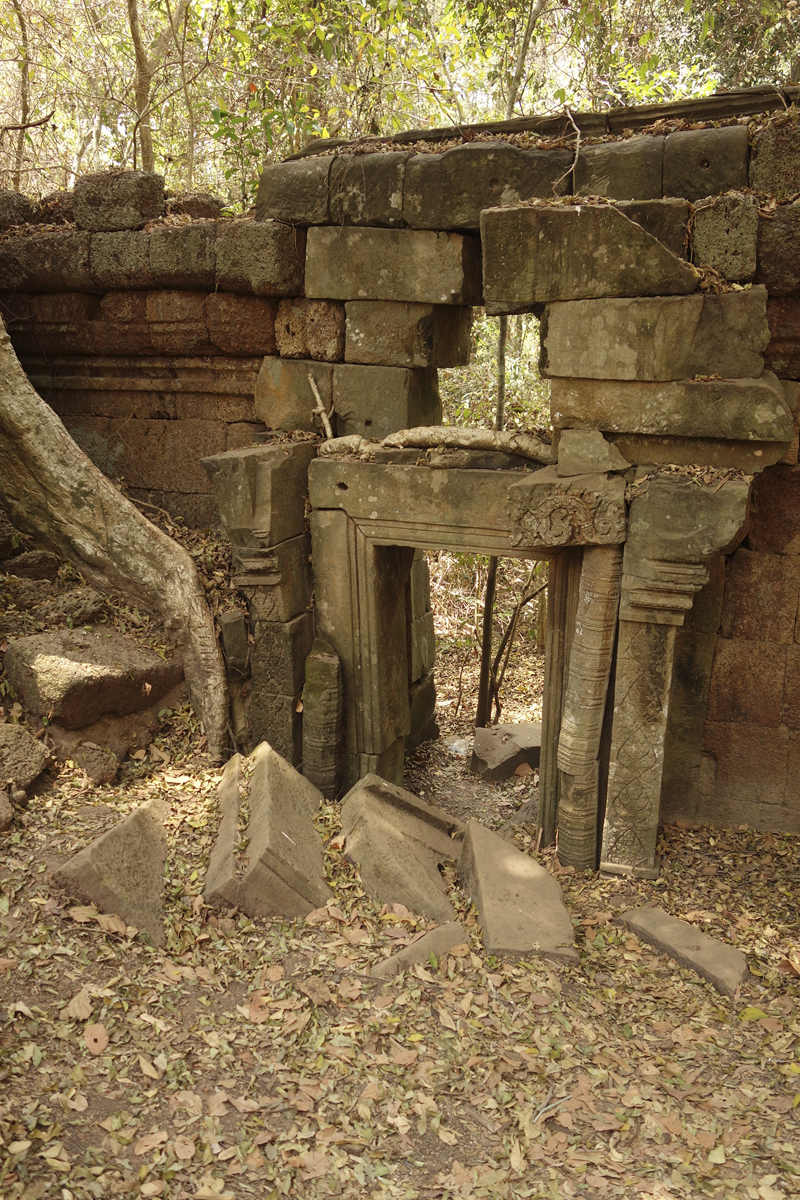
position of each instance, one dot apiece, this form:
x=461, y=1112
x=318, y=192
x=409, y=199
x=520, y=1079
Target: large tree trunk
x=54, y=492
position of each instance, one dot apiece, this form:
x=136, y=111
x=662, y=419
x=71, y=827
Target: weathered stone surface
x=32, y=564
x=791, y=394
x=283, y=397
x=261, y=258
x=449, y=191
x=261, y=493
x=661, y=338
x=723, y=966
x=279, y=652
x=118, y=200
x=535, y=255
x=277, y=581
x=15, y=209
x=393, y=264
x=706, y=162
x=725, y=236
x=57, y=208
x=75, y=677
x=183, y=256
x=310, y=329
x=6, y=811
x=520, y=906
x=397, y=842
x=667, y=220
x=777, y=252
x=761, y=597
x=547, y=510
x=422, y=646
x=52, y=261
x=122, y=871
x=277, y=719
x=78, y=606
x=241, y=325
x=295, y=191
x=422, y=713
x=749, y=773
x=775, y=160
x=119, y=735
x=177, y=322
x=627, y=170
x=395, y=334
x=285, y=874
x=120, y=261
x=200, y=206
x=498, y=750
x=436, y=942
x=419, y=586
x=747, y=682
x=22, y=757
x=322, y=718
x=376, y=401
x=775, y=512
x=234, y=635
x=652, y=450
x=745, y=409
x=367, y=189
x=586, y=452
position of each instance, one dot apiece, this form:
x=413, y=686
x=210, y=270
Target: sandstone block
x=221, y=883
x=261, y=493
x=725, y=236
x=367, y=189
x=76, y=677
x=746, y=776
x=277, y=719
x=783, y=353
x=660, y=338
x=310, y=329
x=200, y=206
x=118, y=735
x=436, y=942
x=183, y=256
x=121, y=261
x=393, y=264
x=322, y=718
x=15, y=209
x=241, y=325
x=761, y=597
x=396, y=334
x=283, y=396
x=277, y=581
x=520, y=906
x=422, y=711
x=376, y=401
x=279, y=652
x=535, y=255
x=185, y=444
x=747, y=682
x=122, y=327
x=746, y=409
x=778, y=254
x=653, y=450
x=419, y=586
x=498, y=750
x=706, y=162
x=422, y=647
x=667, y=220
x=790, y=713
x=397, y=842
x=22, y=757
x=114, y=200
x=449, y=191
x=261, y=258
x=775, y=512
x=547, y=510
x=586, y=452
x=627, y=170
x=122, y=872
x=234, y=635
x=65, y=323
x=295, y=191
x=775, y=161
x=55, y=261
x=177, y=323
x=723, y=966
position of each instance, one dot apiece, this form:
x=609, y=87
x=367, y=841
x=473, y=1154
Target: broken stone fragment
x=32, y=564
x=520, y=905
x=586, y=451
x=123, y=870
x=723, y=966
x=397, y=842
x=498, y=750
x=436, y=941
x=284, y=873
x=22, y=757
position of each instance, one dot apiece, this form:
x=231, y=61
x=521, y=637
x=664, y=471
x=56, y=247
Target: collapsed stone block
x=22, y=757
x=241, y=325
x=284, y=874
x=723, y=966
x=395, y=334
x=725, y=236
x=367, y=189
x=284, y=398
x=376, y=401
x=322, y=718
x=260, y=258
x=397, y=842
x=449, y=191
x=706, y=162
x=393, y=264
x=261, y=492
x=628, y=170
x=184, y=256
x=520, y=905
x=657, y=338
x=775, y=161
x=122, y=871
x=295, y=191
x=539, y=254
x=200, y=206
x=437, y=942
x=75, y=677
x=310, y=329
x=114, y=200
x=778, y=253
x=586, y=452
x=498, y=750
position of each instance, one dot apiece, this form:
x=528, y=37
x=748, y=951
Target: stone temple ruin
x=193, y=357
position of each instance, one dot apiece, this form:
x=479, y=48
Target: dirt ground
x=260, y=1058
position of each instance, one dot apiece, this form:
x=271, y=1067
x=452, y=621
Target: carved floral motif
x=574, y=517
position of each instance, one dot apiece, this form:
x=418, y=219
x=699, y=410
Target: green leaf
x=241, y=37
x=752, y=1014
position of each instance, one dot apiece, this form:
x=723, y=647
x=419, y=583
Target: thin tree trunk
x=516, y=79
x=24, y=97
x=54, y=492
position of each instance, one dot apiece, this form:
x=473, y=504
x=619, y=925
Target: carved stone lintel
x=548, y=510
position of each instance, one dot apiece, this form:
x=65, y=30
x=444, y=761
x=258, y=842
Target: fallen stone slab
x=122, y=871
x=22, y=757
x=115, y=200
x=723, y=966
x=284, y=873
x=74, y=677
x=397, y=842
x=540, y=254
x=585, y=452
x=498, y=750
x=520, y=905
x=436, y=941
